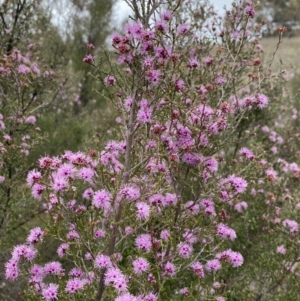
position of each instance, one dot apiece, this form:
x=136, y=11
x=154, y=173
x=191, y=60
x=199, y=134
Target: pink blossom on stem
x=102, y=261
x=88, y=59
x=50, y=292
x=213, y=265
x=109, y=80
x=143, y=211
x=143, y=242
x=281, y=249
x=140, y=265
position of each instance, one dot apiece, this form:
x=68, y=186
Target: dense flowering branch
x=161, y=211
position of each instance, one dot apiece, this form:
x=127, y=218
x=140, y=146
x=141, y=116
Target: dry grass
x=287, y=56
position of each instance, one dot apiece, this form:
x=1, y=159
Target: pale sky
x=122, y=10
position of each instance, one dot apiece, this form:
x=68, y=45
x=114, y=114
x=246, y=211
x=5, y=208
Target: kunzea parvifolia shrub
x=183, y=204
x=22, y=81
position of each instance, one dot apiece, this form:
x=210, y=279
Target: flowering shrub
x=22, y=83
x=185, y=202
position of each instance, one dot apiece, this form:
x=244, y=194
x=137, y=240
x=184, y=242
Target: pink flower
x=261, y=100
x=76, y=272
x=240, y=207
x=88, y=59
x=37, y=191
x=109, y=80
x=247, y=153
x=140, y=265
x=116, y=38
x=184, y=291
x=72, y=235
x=220, y=80
x=291, y=224
x=193, y=63
x=127, y=297
x=134, y=30
x=224, y=231
x=271, y=174
x=143, y=242
x=211, y=164
x=130, y=193
x=115, y=277
x=62, y=249
x=37, y=271
x=208, y=60
x=53, y=268
x=182, y=29
x=150, y=297
x=22, y=69
x=90, y=46
x=213, y=265
x=35, y=235
x=99, y=233
x=128, y=230
x=86, y=174
x=281, y=249
x=27, y=252
x=144, y=114
x=30, y=119
x=156, y=199
x=59, y=183
x=50, y=292
x=45, y=162
x=235, y=258
x=161, y=26
x=33, y=177
x=184, y=250
x=198, y=269
x=179, y=85
x=170, y=199
x=189, y=237
x=208, y=206
x=192, y=207
x=143, y=210
x=239, y=184
x=169, y=269
x=250, y=11
x=102, y=261
x=78, y=158
x=34, y=67
x=274, y=150
x=167, y=16
x=73, y=286
x=148, y=62
x=11, y=270
x=191, y=159
x=164, y=234
x=151, y=145
x=153, y=76
x=162, y=52
x=88, y=193
x=102, y=199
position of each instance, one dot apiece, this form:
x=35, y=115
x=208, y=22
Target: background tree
x=280, y=13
